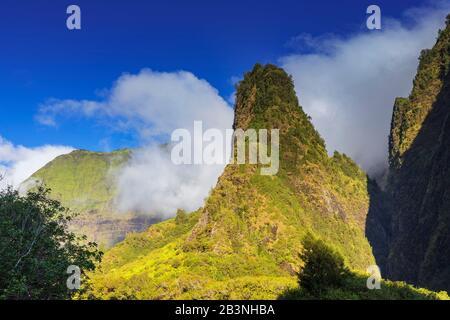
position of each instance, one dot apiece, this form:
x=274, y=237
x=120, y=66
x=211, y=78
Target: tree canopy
x=36, y=247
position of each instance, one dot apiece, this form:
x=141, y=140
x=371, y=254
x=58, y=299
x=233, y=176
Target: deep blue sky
x=215, y=40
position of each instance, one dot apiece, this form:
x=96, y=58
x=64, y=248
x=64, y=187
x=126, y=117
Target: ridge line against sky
x=347, y=83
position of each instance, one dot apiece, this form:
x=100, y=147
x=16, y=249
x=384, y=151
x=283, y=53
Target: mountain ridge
x=418, y=245
x=84, y=182
x=244, y=242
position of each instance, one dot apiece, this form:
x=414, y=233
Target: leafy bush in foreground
x=323, y=266
x=324, y=276
x=36, y=249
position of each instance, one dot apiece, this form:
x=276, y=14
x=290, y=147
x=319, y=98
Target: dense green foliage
x=324, y=275
x=36, y=248
x=323, y=267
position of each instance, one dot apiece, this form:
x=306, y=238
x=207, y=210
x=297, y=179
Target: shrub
x=323, y=268
x=181, y=216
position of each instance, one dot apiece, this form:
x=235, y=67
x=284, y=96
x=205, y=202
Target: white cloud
x=17, y=163
x=348, y=85
x=151, y=183
x=154, y=104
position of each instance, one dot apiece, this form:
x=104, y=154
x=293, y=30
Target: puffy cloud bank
x=348, y=85
x=152, y=184
x=18, y=163
x=154, y=104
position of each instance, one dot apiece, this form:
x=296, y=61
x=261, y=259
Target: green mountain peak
x=266, y=99
x=85, y=182
x=245, y=241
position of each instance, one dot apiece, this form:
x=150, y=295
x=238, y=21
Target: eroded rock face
x=109, y=229
x=418, y=250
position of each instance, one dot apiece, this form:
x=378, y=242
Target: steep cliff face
x=244, y=243
x=419, y=153
x=85, y=182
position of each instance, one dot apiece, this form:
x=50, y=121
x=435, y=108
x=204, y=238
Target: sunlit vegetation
x=245, y=242
x=325, y=276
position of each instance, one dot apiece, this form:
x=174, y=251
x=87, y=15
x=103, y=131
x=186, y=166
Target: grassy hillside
x=245, y=242
x=84, y=181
